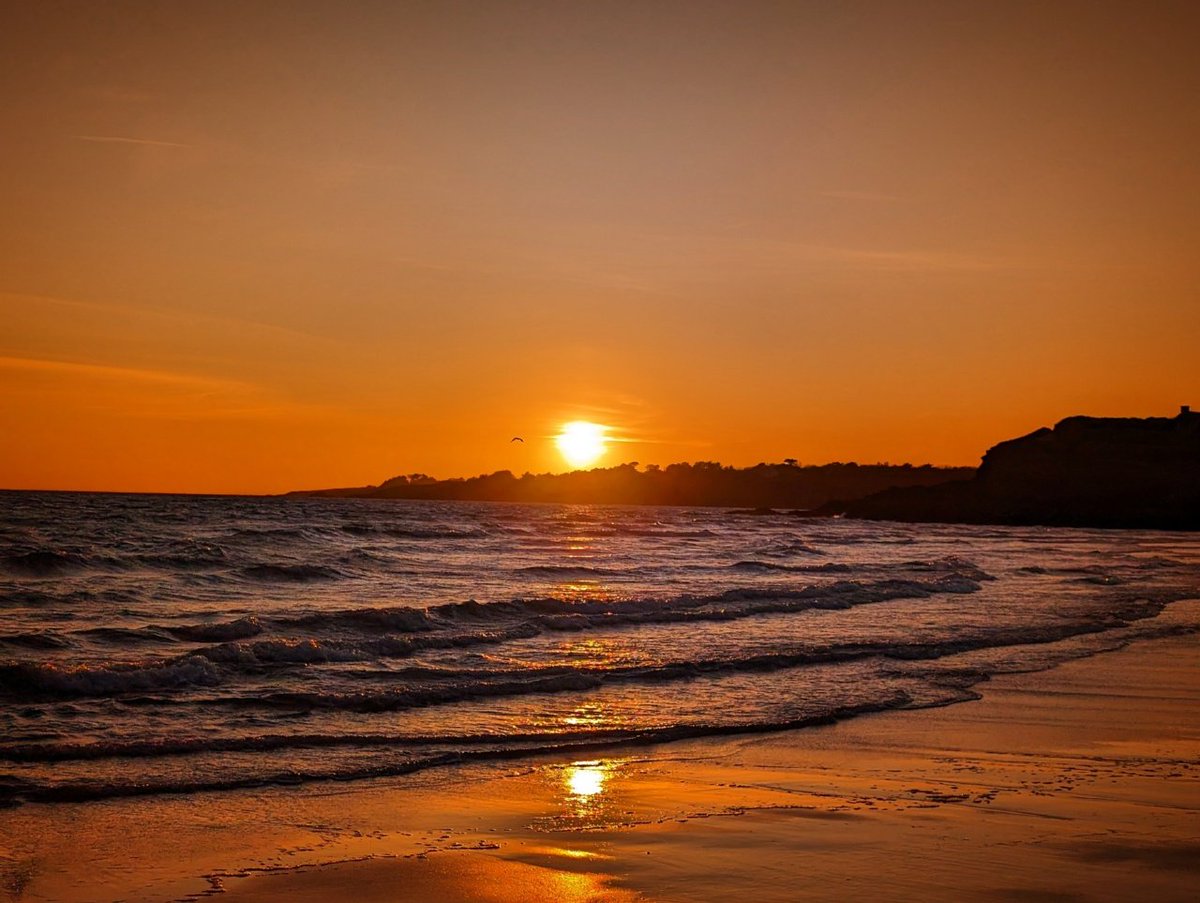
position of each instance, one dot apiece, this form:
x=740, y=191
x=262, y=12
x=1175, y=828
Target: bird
x=516, y=439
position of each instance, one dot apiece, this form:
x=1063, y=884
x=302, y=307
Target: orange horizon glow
x=387, y=240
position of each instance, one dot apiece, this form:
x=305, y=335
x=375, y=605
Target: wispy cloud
x=153, y=393
x=121, y=139
x=177, y=316
x=128, y=374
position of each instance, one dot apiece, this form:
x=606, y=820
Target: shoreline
x=1040, y=780
x=1085, y=802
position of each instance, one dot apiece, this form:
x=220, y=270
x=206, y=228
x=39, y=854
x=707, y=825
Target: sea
x=155, y=644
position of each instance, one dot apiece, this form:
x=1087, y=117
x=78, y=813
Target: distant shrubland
x=787, y=485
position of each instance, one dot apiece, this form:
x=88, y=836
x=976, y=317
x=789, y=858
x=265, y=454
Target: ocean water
x=184, y=644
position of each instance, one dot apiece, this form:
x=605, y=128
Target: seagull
x=516, y=439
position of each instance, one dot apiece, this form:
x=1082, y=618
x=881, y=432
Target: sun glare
x=581, y=443
x=586, y=778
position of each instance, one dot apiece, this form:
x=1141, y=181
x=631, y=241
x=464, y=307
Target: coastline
x=1077, y=783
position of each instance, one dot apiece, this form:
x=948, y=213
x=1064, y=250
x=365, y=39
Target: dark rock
x=1086, y=472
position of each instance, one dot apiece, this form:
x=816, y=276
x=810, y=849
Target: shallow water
x=153, y=643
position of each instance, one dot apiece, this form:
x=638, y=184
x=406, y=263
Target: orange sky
x=256, y=247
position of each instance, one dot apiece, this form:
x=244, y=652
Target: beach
x=1077, y=783
x=633, y=453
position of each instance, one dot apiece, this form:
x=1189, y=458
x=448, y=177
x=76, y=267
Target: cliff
x=1085, y=472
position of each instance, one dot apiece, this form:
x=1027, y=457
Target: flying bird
x=516, y=439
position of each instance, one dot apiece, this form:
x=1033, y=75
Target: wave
x=442, y=686
x=827, y=568
x=165, y=747
x=403, y=619
x=291, y=573
x=663, y=532
x=363, y=558
x=397, y=532
x=398, y=632
x=44, y=563
x=566, y=571
x=36, y=598
x=1094, y=574
x=24, y=679
x=951, y=564
x=34, y=640
x=262, y=653
x=272, y=533
x=17, y=790
x=788, y=548
x=433, y=686
x=837, y=538
x=53, y=563
x=200, y=557
x=1154, y=562
x=1100, y=580
x=438, y=685
x=583, y=614
x=241, y=629
x=124, y=636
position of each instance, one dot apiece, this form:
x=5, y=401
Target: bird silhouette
x=516, y=439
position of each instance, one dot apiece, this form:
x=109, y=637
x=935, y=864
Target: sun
x=581, y=442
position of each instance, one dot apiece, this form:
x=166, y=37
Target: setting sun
x=581, y=443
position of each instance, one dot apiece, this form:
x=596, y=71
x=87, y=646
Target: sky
x=253, y=247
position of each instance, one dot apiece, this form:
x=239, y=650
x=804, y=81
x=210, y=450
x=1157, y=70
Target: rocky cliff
x=1086, y=471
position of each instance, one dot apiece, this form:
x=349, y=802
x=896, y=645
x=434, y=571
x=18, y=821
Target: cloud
x=148, y=392
x=118, y=139
x=127, y=374
x=175, y=316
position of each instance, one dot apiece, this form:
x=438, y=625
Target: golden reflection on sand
x=452, y=878
x=572, y=886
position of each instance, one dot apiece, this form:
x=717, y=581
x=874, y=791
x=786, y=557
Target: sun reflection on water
x=587, y=795
x=586, y=779
x=582, y=589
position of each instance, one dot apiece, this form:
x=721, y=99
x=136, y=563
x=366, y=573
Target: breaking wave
x=399, y=632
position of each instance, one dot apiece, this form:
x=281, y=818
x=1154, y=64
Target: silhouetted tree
x=699, y=483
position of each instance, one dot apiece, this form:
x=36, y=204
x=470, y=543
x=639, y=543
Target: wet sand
x=1078, y=783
